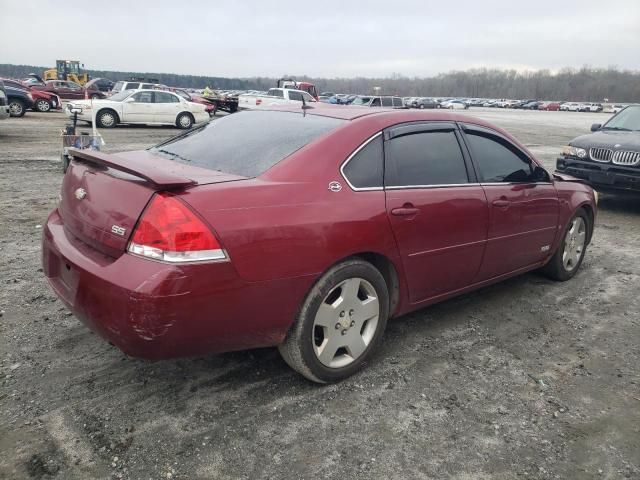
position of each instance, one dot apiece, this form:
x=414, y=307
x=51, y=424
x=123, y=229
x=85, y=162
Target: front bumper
x=605, y=176
x=156, y=310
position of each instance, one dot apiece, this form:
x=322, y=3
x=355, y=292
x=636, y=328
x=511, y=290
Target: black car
x=20, y=100
x=101, y=84
x=4, y=102
x=425, y=103
x=608, y=158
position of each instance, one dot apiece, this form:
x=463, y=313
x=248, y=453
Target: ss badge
x=118, y=230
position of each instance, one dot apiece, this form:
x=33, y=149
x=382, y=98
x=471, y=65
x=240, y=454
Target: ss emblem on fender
x=118, y=230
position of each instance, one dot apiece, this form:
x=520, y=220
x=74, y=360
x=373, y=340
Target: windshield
x=118, y=97
x=627, y=119
x=246, y=143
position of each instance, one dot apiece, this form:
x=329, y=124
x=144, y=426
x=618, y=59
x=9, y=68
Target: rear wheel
x=567, y=260
x=107, y=119
x=184, y=121
x=16, y=107
x=340, y=323
x=43, y=105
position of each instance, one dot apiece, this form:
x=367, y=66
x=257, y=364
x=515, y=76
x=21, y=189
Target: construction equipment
x=69, y=70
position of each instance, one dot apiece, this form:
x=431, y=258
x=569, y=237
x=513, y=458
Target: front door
x=138, y=108
x=438, y=212
x=523, y=217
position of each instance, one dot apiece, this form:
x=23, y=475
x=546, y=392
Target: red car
x=550, y=106
x=45, y=101
x=303, y=228
x=68, y=90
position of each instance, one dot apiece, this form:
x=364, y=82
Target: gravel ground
x=524, y=379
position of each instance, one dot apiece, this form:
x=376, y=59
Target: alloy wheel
x=574, y=243
x=43, y=106
x=15, y=108
x=345, y=323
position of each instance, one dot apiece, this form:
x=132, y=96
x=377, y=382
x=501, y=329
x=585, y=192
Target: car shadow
x=626, y=203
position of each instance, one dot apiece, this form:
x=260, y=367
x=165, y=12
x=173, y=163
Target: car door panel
x=438, y=214
x=140, y=110
x=523, y=213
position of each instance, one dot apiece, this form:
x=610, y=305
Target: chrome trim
x=628, y=158
x=355, y=152
x=600, y=154
x=498, y=184
x=443, y=185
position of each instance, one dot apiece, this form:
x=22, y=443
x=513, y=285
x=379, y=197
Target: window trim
x=353, y=154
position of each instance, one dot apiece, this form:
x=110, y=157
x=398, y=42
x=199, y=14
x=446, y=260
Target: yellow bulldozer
x=67, y=70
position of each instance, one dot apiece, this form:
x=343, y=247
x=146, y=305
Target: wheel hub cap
x=574, y=244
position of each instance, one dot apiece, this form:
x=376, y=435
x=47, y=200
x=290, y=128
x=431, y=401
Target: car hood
x=609, y=139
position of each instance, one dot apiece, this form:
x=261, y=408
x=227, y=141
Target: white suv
x=122, y=86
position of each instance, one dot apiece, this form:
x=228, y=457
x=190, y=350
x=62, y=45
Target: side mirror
x=595, y=127
x=540, y=174
x=130, y=99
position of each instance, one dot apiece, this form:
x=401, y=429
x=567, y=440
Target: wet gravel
x=525, y=379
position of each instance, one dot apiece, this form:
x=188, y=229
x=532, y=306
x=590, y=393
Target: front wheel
x=16, y=108
x=43, y=105
x=107, y=119
x=340, y=323
x=567, y=260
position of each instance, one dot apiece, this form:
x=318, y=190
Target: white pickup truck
x=275, y=96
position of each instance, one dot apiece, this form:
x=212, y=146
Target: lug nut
x=344, y=332
x=342, y=314
x=337, y=326
x=350, y=312
x=353, y=323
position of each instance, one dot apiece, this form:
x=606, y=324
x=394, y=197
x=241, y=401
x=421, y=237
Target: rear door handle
x=406, y=210
x=502, y=203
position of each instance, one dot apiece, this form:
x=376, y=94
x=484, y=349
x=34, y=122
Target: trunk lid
x=103, y=195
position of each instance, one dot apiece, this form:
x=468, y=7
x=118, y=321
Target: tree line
x=583, y=84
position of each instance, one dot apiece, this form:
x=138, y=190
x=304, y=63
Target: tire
x=568, y=257
x=421, y=106
x=107, y=118
x=185, y=121
x=328, y=343
x=16, y=108
x=64, y=159
x=96, y=96
x=43, y=105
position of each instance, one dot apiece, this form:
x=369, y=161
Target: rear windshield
x=246, y=143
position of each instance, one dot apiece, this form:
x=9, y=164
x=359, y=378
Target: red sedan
x=305, y=229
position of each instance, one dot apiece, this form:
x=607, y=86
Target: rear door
x=523, y=212
x=74, y=90
x=138, y=108
x=437, y=210
x=167, y=106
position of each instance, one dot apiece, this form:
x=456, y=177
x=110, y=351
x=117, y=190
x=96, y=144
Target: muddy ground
x=525, y=379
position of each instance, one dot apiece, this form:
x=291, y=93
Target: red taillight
x=258, y=101
x=168, y=230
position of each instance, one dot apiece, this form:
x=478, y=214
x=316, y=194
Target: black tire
x=43, y=105
x=298, y=349
x=96, y=96
x=556, y=268
x=107, y=118
x=421, y=106
x=16, y=107
x=185, y=121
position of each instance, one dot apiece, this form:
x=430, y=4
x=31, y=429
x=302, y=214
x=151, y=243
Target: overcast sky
x=321, y=38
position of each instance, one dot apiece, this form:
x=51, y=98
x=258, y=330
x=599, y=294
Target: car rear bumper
x=157, y=310
x=604, y=176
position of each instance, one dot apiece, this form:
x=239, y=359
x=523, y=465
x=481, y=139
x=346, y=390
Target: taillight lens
x=169, y=231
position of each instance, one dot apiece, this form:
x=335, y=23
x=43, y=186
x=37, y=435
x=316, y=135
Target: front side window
x=364, y=168
x=132, y=86
x=297, y=96
x=425, y=159
x=276, y=93
x=143, y=97
x=387, y=102
x=498, y=160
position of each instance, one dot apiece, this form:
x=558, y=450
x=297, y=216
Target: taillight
x=258, y=101
x=169, y=231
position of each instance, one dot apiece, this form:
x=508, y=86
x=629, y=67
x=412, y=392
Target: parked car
x=209, y=107
x=276, y=96
x=608, y=158
x=425, y=103
x=550, y=106
x=19, y=98
x=67, y=90
x=590, y=107
x=455, y=105
x=278, y=228
x=148, y=107
x=570, y=107
x=100, y=84
x=386, y=101
x=42, y=101
x=532, y=105
x=4, y=102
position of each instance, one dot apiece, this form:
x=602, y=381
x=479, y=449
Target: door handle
x=406, y=210
x=501, y=203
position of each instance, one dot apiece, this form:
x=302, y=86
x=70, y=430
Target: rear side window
x=427, y=158
x=276, y=93
x=297, y=96
x=364, y=168
x=132, y=86
x=498, y=160
x=246, y=143
x=387, y=102
x=164, y=97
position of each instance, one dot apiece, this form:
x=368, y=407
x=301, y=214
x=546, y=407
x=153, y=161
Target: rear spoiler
x=142, y=167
